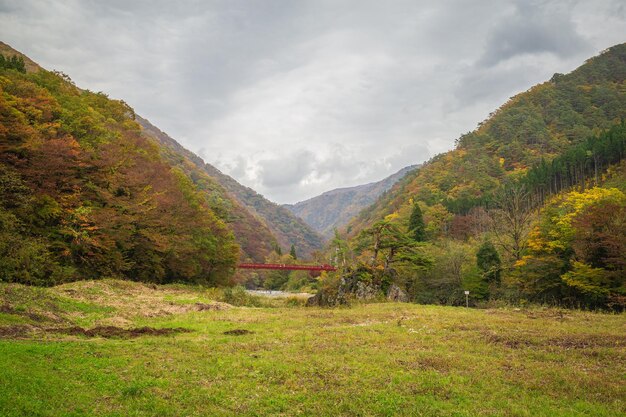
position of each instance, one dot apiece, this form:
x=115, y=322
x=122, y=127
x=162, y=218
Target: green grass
x=371, y=359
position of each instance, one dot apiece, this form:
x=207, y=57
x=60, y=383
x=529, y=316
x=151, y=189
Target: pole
x=467, y=299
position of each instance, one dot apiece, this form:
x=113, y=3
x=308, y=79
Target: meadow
x=102, y=348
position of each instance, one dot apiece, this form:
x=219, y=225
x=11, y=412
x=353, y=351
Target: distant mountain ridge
x=286, y=229
x=335, y=208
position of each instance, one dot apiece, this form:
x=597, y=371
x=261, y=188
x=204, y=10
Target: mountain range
x=528, y=206
x=335, y=208
x=539, y=124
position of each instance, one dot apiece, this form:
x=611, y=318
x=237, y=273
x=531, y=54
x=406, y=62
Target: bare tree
x=510, y=219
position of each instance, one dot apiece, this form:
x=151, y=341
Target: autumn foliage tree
x=488, y=260
x=576, y=251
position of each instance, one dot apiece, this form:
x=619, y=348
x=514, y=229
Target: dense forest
x=520, y=209
x=83, y=194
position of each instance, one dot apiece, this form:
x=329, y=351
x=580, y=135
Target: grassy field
x=67, y=351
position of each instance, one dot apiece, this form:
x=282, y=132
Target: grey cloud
x=240, y=168
x=534, y=27
x=295, y=98
x=409, y=154
x=287, y=170
x=497, y=83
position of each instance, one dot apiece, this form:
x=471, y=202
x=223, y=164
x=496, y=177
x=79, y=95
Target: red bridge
x=285, y=267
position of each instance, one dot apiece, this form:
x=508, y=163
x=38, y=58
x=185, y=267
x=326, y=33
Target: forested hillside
x=533, y=126
x=251, y=232
x=520, y=208
x=259, y=224
x=335, y=208
x=83, y=194
x=288, y=228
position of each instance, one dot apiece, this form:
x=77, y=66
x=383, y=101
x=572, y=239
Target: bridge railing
x=287, y=267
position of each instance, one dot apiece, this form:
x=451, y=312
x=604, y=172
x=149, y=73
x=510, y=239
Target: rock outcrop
x=357, y=285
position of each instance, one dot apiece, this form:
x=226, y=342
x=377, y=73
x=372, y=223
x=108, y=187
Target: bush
x=238, y=296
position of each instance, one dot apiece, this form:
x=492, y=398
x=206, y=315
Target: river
x=279, y=294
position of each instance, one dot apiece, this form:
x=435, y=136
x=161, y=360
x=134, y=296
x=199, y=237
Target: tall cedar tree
x=417, y=227
x=488, y=260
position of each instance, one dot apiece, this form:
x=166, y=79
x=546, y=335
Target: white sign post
x=467, y=299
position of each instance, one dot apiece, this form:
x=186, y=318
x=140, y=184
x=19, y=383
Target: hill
x=288, y=228
x=519, y=209
x=532, y=126
x=87, y=194
x=334, y=209
x=261, y=224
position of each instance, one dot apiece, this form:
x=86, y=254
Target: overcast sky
x=293, y=98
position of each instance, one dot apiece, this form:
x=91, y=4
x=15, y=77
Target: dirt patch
x=510, y=341
x=36, y=317
x=237, y=332
x=561, y=342
x=110, y=332
x=558, y=315
x=15, y=331
x=212, y=306
x=587, y=341
x=7, y=309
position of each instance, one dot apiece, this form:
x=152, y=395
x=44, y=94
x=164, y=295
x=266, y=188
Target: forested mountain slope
x=529, y=207
x=83, y=194
x=251, y=232
x=287, y=227
x=29, y=64
x=533, y=126
x=268, y=225
x=335, y=208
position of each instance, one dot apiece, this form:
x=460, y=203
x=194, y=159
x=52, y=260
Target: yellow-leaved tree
x=577, y=251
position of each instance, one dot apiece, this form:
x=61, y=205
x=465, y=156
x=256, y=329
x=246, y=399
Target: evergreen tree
x=488, y=260
x=292, y=252
x=417, y=227
x=14, y=62
x=387, y=239
x=277, y=248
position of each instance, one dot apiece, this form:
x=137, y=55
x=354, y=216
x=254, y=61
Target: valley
x=137, y=279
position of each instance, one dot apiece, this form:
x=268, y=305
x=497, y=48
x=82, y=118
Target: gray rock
x=324, y=298
x=397, y=294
